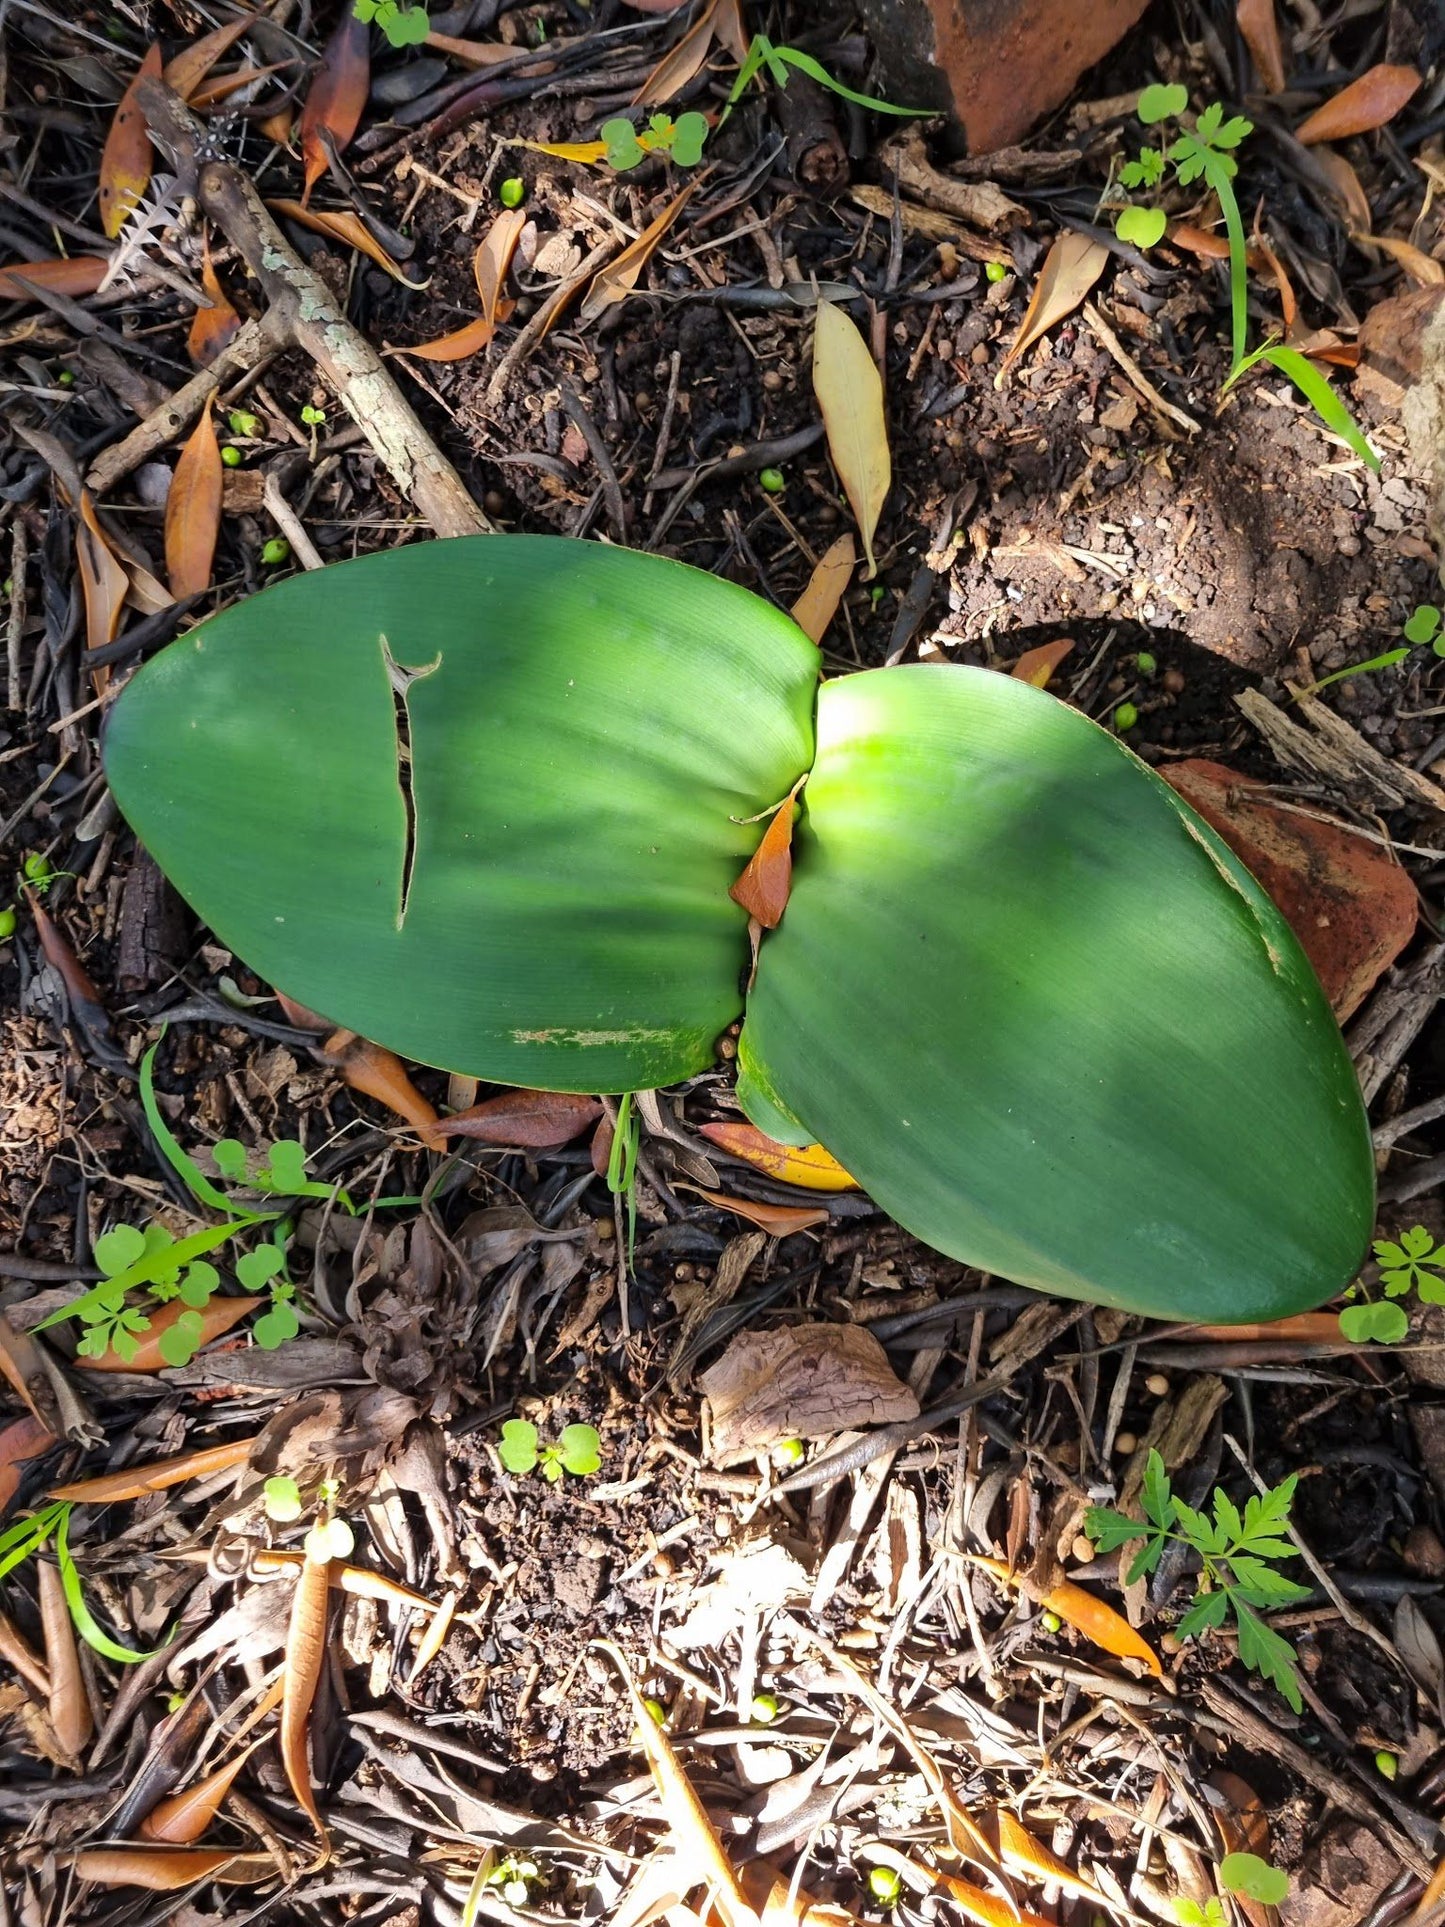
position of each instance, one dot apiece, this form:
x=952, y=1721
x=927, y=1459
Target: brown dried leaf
x=471, y=53
x=1259, y=29
x=1071, y=267
x=460, y=343
x=138, y=1481
x=69, y=1705
x=1369, y=102
x=76, y=274
x=680, y=63
x=616, y=281
x=378, y=1073
x=526, y=1120
x=1026, y=1855
x=184, y=74
x=1420, y=269
x=1348, y=189
x=125, y=164
x=816, y=607
x=800, y=1382
x=849, y=389
x=212, y=329
x=1085, y=1612
x=180, y=1820
x=22, y=1440
x=103, y=581
x=217, y=1316
x=352, y=232
x=165, y=1869
x=193, y=510
x=305, y=1655
x=762, y=889
x=729, y=28
x=336, y=97
x=1037, y=666
x=778, y=1220
x=493, y=257
x=16, y=1651
x=359, y=1581
x=224, y=85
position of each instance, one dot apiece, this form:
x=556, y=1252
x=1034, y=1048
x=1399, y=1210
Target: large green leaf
x=1047, y=1019
x=594, y=722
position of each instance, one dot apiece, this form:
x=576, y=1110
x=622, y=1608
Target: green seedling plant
x=281, y=1498
x=1414, y=1263
x=1189, y=1913
x=682, y=139
x=404, y=25
x=51, y=1526
x=622, y=1165
x=1252, y=1878
x=1206, y=152
x=1239, y=1555
x=762, y=53
x=1423, y=626
x=577, y=1450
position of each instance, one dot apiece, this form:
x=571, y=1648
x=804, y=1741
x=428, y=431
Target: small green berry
x=1145, y=663
x=1051, y=1622
x=37, y=868
x=995, y=271
x=876, y=594
x=764, y=1708
x=7, y=925
x=231, y=456
x=243, y=422
x=885, y=1886
x=789, y=1452
x=512, y=192
x=275, y=552
x=65, y=379
x=657, y=1711
x=1125, y=717
x=772, y=481
x=1386, y=1765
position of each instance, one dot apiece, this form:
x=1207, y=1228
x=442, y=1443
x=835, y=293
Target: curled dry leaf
x=212, y=329
x=1369, y=102
x=778, y=1220
x=1347, y=188
x=680, y=63
x=525, y=1120
x=182, y=1818
x=69, y=1705
x=1037, y=666
x=808, y=1165
x=616, y=281
x=850, y=396
x=184, y=74
x=490, y=263
x=473, y=53
x=104, y=583
x=166, y=1869
x=73, y=275
x=1419, y=268
x=816, y=607
x=378, y=1073
x=224, y=85
x=305, y=1653
x=140, y=1480
x=358, y=1581
x=217, y=1316
x=349, y=229
x=1304, y=1328
x=1025, y=1855
x=989, y=1910
x=193, y=510
x=1259, y=29
x=800, y=1382
x=762, y=889
x=125, y=164
x=1086, y=1613
x=24, y=1439
x=1071, y=267
x=1202, y=241
x=336, y=97
x=16, y=1651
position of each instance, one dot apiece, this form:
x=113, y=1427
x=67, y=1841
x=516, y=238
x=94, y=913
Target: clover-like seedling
x=1424, y=626
x=1189, y=1913
x=1255, y=1879
x=1416, y=1263
x=262, y=1270
x=329, y=1539
x=282, y=1499
x=577, y=1451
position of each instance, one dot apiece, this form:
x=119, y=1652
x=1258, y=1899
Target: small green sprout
x=515, y=1875
x=66, y=378
x=764, y=1709
x=656, y=1712
x=1125, y=717
x=1141, y=227
x=1145, y=663
x=622, y=1165
x=1050, y=1621
x=51, y=1525
x=38, y=871
x=242, y=422
x=1189, y=1913
x=1255, y=1879
x=772, y=481
x=7, y=924
x=512, y=191
x=1424, y=626
x=762, y=53
x=996, y=271
x=231, y=456
x=577, y=1451
x=329, y=1539
x=1238, y=1557
x=282, y=1500
x=1386, y=1764
x=885, y=1885
x=1415, y=1264
x=313, y=417
x=682, y=138
x=404, y=25
x=275, y=552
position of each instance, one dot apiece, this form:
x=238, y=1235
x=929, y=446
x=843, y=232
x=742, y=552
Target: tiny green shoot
x=622, y=1164
x=1238, y=1556
x=996, y=271
x=1387, y=1764
x=282, y=1499
x=28, y=1536
x=627, y=147
x=243, y=423
x=329, y=1539
x=1416, y=1263
x=1189, y=1913
x=404, y=25
x=1125, y=717
x=772, y=481
x=1422, y=627
x=578, y=1451
x=275, y=552
x=1255, y=1879
x=764, y=1708
x=762, y=53
x=7, y=924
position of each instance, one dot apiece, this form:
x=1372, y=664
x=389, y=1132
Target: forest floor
x=471, y=1752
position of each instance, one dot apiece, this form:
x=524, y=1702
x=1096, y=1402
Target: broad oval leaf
x=1045, y=1017
x=545, y=902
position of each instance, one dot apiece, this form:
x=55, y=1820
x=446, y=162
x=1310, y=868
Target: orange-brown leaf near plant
x=193, y=510
x=1037, y=666
x=778, y=1220
x=181, y=1819
x=816, y=607
x=75, y=274
x=808, y=1165
x=69, y=1705
x=526, y=1120
x=217, y=1316
x=615, y=281
x=762, y=889
x=301, y=1673
x=1259, y=29
x=1086, y=1613
x=125, y=163
x=336, y=97
x=1071, y=267
x=1367, y=103
x=184, y=73
x=167, y=1869
x=212, y=329
x=139, y=1481
x=338, y=224
x=378, y=1073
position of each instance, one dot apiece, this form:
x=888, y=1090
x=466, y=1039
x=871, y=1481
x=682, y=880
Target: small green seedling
x=1255, y=1879
x=329, y=1539
x=996, y=271
x=1238, y=1557
x=1387, y=1764
x=275, y=552
x=772, y=481
x=1189, y=1913
x=577, y=1451
x=622, y=1165
x=7, y=924
x=1415, y=1264
x=40, y=874
x=764, y=1709
x=243, y=423
x=1206, y=152
x=404, y=25
x=682, y=138
x=515, y=1875
x=313, y=417
x=1125, y=717
x=282, y=1500
x=762, y=53
x=1422, y=627
x=51, y=1526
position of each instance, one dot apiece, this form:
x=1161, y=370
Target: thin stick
x=16, y=625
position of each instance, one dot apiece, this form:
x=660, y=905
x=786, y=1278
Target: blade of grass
x=93, y=1635
x=1322, y=398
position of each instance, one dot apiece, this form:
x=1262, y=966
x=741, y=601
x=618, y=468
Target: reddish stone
x=998, y=65
x=1352, y=909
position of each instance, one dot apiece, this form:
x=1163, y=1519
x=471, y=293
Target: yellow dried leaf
x=1071, y=267
x=850, y=394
